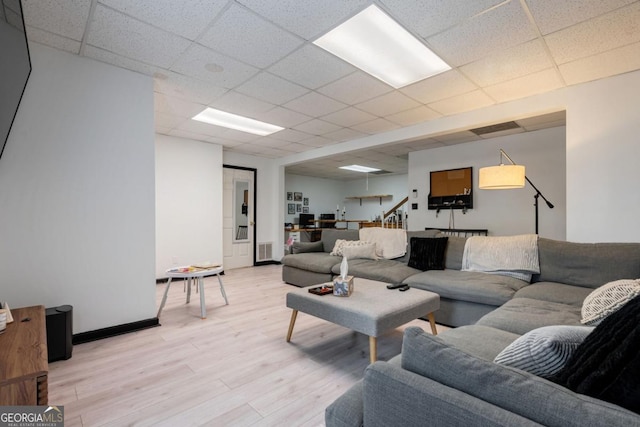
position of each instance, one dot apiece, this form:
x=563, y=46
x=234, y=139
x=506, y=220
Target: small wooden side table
x=198, y=274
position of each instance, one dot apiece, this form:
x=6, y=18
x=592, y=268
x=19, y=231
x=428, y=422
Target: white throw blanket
x=515, y=256
x=390, y=242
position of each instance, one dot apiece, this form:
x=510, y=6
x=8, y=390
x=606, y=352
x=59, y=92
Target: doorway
x=239, y=203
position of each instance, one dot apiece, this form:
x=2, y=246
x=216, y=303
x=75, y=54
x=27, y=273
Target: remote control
x=404, y=288
x=395, y=286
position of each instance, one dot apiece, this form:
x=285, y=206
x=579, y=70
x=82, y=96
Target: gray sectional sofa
x=451, y=379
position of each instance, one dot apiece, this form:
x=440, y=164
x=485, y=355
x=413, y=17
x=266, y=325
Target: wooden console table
x=23, y=359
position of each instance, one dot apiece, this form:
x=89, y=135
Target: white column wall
x=77, y=193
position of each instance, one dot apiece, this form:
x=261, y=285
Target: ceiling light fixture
x=378, y=45
x=233, y=121
x=358, y=168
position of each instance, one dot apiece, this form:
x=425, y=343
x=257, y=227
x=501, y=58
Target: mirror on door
x=241, y=210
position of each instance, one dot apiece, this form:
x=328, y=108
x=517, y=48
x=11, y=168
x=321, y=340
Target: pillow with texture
x=367, y=251
x=341, y=244
x=607, y=299
x=544, y=351
x=427, y=253
x=607, y=364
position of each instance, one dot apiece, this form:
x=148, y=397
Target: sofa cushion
x=302, y=247
x=330, y=235
x=366, y=251
x=608, y=299
x=383, y=270
x=341, y=244
x=607, y=364
x=521, y=315
x=555, y=292
x=410, y=234
x=587, y=264
x=319, y=262
x=454, y=253
x=517, y=391
x=467, y=285
x=479, y=341
x=427, y=253
x=544, y=351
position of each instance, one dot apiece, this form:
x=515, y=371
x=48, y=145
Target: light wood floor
x=232, y=369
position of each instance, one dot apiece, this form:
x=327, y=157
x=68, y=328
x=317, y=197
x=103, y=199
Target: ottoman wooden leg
x=432, y=322
x=373, y=349
x=294, y=314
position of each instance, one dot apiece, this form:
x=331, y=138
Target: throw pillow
x=543, y=351
x=427, y=253
x=341, y=244
x=607, y=364
x=607, y=299
x=367, y=251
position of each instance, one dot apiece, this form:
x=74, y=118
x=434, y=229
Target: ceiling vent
x=495, y=128
x=380, y=172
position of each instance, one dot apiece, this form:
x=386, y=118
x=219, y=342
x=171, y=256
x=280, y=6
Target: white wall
x=188, y=203
x=77, y=193
x=324, y=195
x=394, y=185
x=503, y=212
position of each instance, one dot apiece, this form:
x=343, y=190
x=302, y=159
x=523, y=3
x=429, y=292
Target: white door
x=238, y=218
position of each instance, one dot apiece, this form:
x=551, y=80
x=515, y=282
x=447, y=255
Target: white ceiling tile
x=444, y=85
x=497, y=29
x=180, y=86
x=168, y=121
x=187, y=18
x=123, y=35
x=428, y=17
x=375, y=126
x=194, y=60
x=283, y=117
x=390, y=103
x=344, y=134
x=187, y=135
x=355, y=88
x=176, y=106
x=307, y=18
x=508, y=64
x=461, y=103
x=311, y=67
x=201, y=128
x=271, y=88
x=348, y=117
x=558, y=14
x=297, y=148
x=238, y=103
x=291, y=135
x=539, y=82
x=606, y=32
x=243, y=35
x=267, y=141
x=118, y=60
x=415, y=115
x=66, y=18
x=616, y=61
x=53, y=40
x=317, y=127
x=314, y=104
x=317, y=141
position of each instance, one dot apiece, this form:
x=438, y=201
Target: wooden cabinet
x=23, y=359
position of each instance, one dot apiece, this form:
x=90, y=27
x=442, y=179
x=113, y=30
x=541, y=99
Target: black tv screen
x=15, y=64
x=307, y=220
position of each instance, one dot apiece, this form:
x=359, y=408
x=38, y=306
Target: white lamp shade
x=501, y=177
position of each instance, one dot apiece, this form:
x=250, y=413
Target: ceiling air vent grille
x=380, y=172
x=495, y=128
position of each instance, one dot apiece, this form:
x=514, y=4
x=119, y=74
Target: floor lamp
x=505, y=177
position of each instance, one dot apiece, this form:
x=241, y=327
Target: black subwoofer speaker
x=59, y=332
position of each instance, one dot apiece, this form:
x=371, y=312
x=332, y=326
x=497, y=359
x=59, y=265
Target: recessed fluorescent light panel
x=378, y=45
x=233, y=121
x=358, y=168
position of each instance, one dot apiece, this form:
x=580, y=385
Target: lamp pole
x=538, y=193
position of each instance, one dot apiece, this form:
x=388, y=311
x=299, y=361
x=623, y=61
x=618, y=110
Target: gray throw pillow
x=544, y=351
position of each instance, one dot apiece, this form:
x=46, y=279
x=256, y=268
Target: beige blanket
x=390, y=242
x=515, y=256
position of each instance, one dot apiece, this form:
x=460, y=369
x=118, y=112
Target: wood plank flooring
x=232, y=369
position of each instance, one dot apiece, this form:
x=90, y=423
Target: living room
x=87, y=221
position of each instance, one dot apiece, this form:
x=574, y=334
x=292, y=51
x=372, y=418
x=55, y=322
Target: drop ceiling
x=256, y=58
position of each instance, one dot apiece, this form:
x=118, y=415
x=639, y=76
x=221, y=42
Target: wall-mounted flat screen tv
x=15, y=64
x=452, y=182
